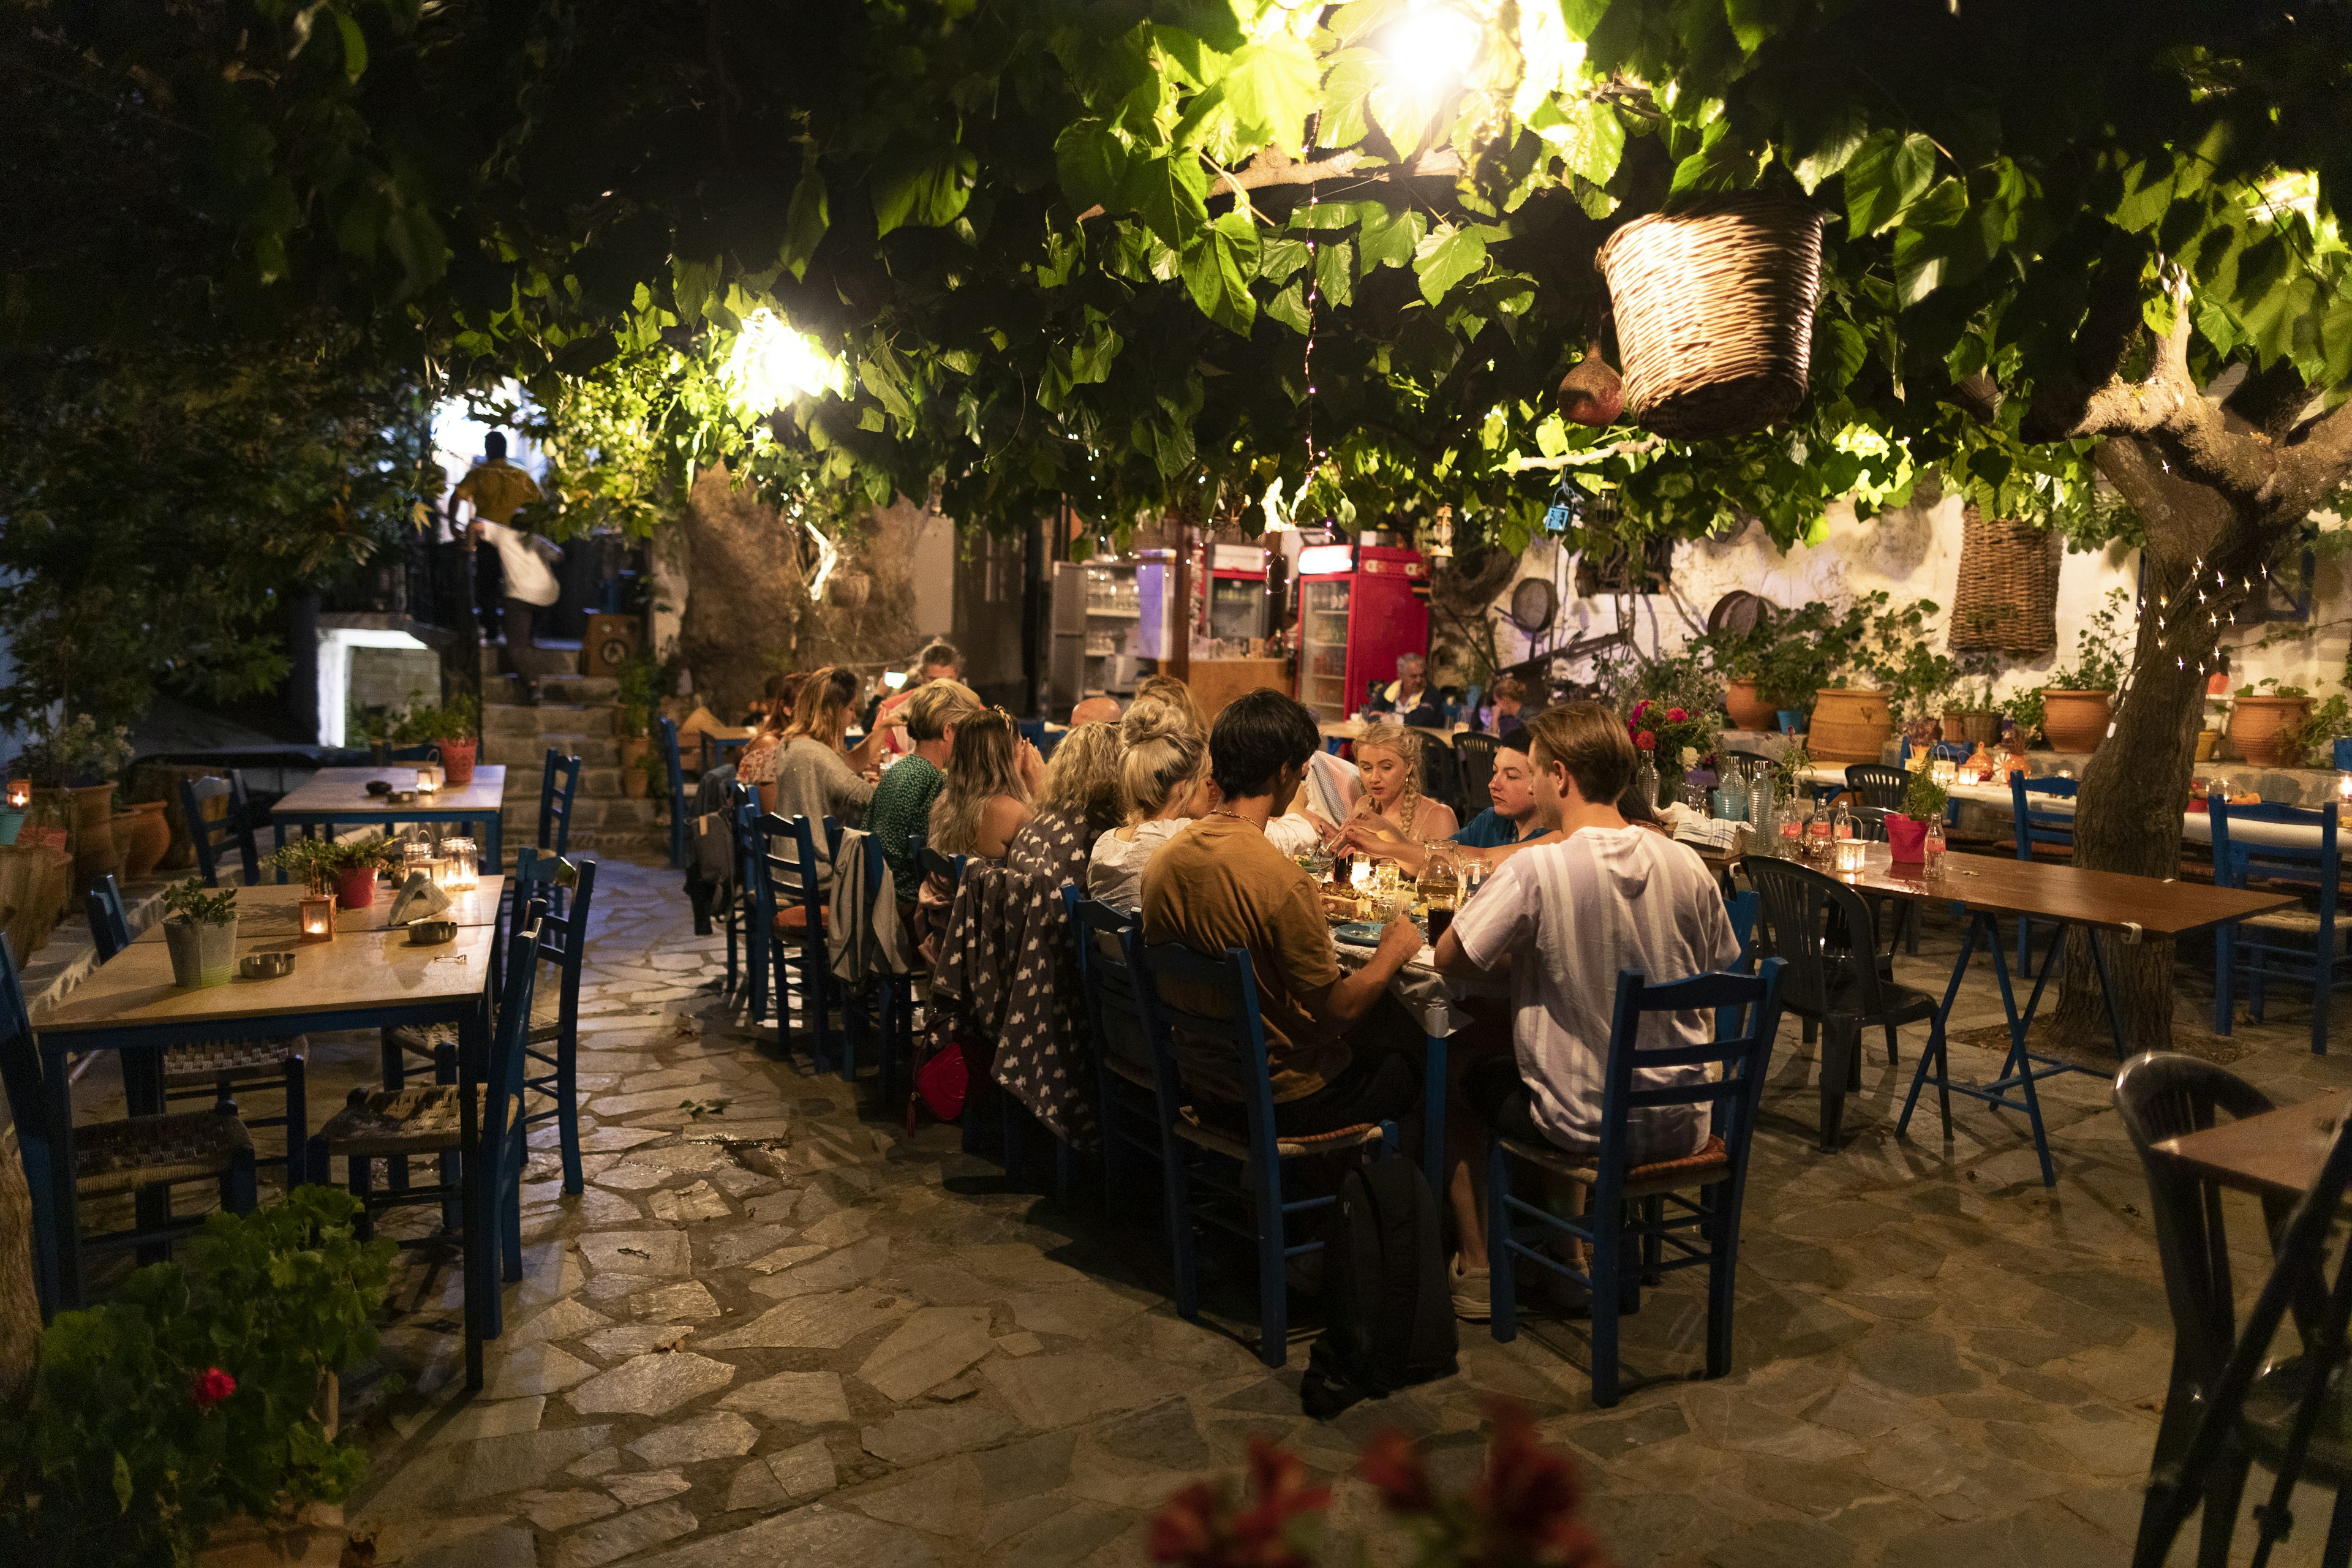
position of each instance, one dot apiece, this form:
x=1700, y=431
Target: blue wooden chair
x=666, y=736
x=211, y=1072
x=559, y=782
x=1208, y=1008
x=718, y=749
x=552, y=1051
x=743, y=914
x=801, y=964
x=2031, y=825
x=1629, y=1215
x=233, y=829
x=1136, y=1092
x=132, y=1156
x=479, y=1132
x=2298, y=945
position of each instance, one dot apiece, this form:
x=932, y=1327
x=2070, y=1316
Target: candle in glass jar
x=1850, y=855
x=318, y=918
x=428, y=780
x=20, y=794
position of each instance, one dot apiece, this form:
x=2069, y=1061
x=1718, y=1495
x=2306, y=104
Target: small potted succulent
x=199, y=933
x=454, y=728
x=1906, y=831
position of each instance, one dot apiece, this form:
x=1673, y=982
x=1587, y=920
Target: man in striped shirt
x=1563, y=919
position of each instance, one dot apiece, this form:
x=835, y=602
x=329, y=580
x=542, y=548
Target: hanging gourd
x=1592, y=393
x=1715, y=313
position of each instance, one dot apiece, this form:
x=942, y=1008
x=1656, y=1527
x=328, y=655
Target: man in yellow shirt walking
x=493, y=490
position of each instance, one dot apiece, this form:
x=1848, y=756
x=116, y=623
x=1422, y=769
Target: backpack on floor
x=1391, y=1307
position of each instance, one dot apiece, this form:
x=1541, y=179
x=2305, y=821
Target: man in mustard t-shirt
x=493, y=490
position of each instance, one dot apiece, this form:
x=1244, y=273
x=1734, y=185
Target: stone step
x=550, y=718
x=530, y=750
x=506, y=690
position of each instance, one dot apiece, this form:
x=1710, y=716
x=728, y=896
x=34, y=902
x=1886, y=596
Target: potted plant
x=373, y=723
x=74, y=765
x=200, y=931
x=192, y=1417
x=1906, y=832
x=2266, y=724
x=347, y=865
x=454, y=728
x=648, y=775
x=2076, y=698
x=1970, y=714
x=636, y=680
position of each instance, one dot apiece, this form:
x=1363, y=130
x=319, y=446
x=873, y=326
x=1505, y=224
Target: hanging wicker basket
x=1715, y=313
x=2007, y=601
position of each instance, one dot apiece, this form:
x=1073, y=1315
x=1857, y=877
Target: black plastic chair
x=2164, y=1095
x=1878, y=784
x=1629, y=1217
x=233, y=829
x=556, y=785
x=1476, y=756
x=1441, y=778
x=1824, y=930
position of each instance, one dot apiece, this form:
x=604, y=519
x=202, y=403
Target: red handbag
x=941, y=1084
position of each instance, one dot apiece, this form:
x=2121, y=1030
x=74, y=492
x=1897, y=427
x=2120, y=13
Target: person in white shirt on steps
x=523, y=556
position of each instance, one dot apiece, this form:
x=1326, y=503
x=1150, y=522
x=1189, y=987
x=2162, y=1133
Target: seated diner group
x=1199, y=830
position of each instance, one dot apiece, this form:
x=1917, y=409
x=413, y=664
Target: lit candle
x=429, y=780
x=463, y=873
x=1359, y=876
x=2343, y=788
x=1850, y=855
x=20, y=794
x=317, y=916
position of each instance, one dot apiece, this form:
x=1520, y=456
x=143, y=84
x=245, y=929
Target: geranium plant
x=1522, y=1513
x=201, y=1391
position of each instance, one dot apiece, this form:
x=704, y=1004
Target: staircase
x=579, y=716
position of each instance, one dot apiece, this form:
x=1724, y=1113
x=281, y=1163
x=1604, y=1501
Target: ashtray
x=266, y=965
x=431, y=932
x=379, y=787
x=399, y=796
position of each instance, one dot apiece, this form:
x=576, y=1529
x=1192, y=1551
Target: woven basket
x=1715, y=313
x=2007, y=601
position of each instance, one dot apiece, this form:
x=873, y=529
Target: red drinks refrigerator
x=1360, y=606
x=1235, y=578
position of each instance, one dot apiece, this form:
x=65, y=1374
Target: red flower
x=210, y=1387
x=1675, y=715
x=1646, y=740
x=1393, y=1467
x=1196, y=1528
x=1640, y=707
x=1185, y=1527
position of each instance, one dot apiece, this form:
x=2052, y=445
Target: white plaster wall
x=1912, y=553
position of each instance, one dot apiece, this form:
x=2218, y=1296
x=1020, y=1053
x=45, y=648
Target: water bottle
x=1842, y=823
x=1934, y=848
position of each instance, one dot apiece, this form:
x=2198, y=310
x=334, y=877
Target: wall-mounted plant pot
x=1747, y=710
x=2074, y=721
x=2267, y=731
x=1851, y=724
x=458, y=758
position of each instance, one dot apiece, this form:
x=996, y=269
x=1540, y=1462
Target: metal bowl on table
x=266, y=965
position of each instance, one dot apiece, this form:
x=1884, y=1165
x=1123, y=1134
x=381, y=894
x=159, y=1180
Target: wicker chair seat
x=424, y=1119
x=1236, y=1146
x=2304, y=920
x=240, y=1061
x=187, y=1145
x=1711, y=1163
x=424, y=1040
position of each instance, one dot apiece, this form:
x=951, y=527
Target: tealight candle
x=20, y=794
x=318, y=918
x=428, y=780
x=1851, y=853
x=1359, y=876
x=2343, y=789
x=464, y=872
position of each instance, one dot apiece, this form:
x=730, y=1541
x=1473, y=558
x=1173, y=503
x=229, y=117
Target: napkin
x=417, y=899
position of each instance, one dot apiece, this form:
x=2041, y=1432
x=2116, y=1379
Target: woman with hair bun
x=1166, y=765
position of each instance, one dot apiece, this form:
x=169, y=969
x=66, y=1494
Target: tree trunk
x=2137, y=784
x=20, y=1310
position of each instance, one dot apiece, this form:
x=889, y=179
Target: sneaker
x=1473, y=1296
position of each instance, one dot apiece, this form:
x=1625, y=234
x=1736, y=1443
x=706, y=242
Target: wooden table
x=2125, y=908
x=359, y=980
x=336, y=799
x=268, y=911
x=2275, y=1154
x=2196, y=826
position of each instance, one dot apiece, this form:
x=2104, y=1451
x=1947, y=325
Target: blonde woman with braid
x=1392, y=812
x=1167, y=762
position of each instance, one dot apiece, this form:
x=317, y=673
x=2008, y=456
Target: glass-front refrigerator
x=1238, y=607
x=1358, y=610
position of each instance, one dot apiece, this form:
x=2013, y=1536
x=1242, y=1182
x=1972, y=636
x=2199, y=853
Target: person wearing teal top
x=1513, y=819
x=901, y=807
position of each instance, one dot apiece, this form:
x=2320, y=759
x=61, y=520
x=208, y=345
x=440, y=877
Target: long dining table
x=2105, y=904
x=269, y=910
x=335, y=799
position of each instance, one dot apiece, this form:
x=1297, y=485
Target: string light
x=1306, y=363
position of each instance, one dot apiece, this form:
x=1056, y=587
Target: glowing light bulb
x=1432, y=50
x=770, y=365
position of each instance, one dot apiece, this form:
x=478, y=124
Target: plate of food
x=1357, y=933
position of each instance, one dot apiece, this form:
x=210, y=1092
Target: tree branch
x=1270, y=168
x=2187, y=429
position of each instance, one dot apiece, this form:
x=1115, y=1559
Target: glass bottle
x=1842, y=823
x=1932, y=848
x=1760, y=804
x=1646, y=777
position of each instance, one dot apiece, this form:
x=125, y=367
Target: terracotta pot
x=2206, y=741
x=457, y=761
x=1849, y=724
x=633, y=748
x=2074, y=721
x=145, y=833
x=1746, y=710
x=2268, y=730
x=633, y=783
x=355, y=888
x=88, y=811
x=1906, y=841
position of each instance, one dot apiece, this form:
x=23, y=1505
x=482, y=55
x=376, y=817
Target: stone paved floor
x=787, y=1333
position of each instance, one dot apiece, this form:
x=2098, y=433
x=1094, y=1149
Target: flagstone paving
x=786, y=1332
